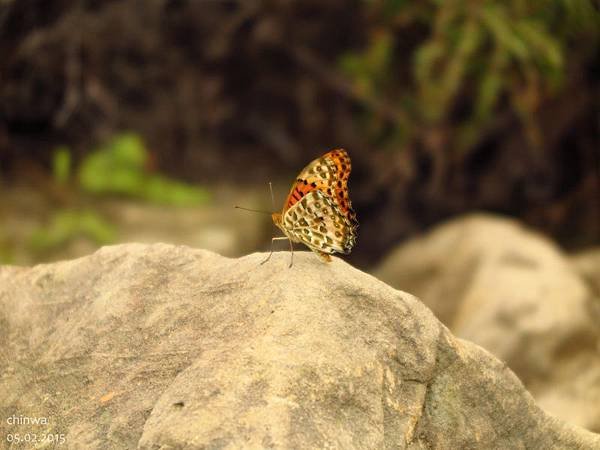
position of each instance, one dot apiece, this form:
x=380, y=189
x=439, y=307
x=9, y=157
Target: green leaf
x=129, y=150
x=116, y=168
x=490, y=87
x=425, y=59
x=500, y=27
x=61, y=165
x=120, y=168
x=546, y=48
x=94, y=227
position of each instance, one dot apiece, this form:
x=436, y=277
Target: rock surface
x=515, y=293
x=165, y=347
x=587, y=264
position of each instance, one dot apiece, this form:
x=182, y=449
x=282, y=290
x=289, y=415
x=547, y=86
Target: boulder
x=587, y=264
x=512, y=291
x=167, y=347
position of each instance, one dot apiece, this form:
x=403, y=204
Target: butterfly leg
x=292, y=258
x=271, y=252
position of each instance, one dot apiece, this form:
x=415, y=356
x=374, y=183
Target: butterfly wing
x=317, y=221
x=328, y=174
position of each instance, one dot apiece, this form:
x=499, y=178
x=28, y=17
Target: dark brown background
x=245, y=92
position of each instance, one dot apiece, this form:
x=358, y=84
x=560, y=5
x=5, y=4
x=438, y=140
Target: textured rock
x=164, y=347
x=515, y=293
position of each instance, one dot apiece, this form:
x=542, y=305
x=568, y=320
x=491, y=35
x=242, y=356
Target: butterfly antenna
x=253, y=210
x=272, y=196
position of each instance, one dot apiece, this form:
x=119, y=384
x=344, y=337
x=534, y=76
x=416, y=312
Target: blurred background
x=147, y=121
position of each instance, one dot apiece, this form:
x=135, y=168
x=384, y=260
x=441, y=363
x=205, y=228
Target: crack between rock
x=436, y=370
x=415, y=427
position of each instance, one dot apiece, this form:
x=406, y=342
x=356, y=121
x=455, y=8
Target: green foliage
x=162, y=190
x=370, y=69
x=68, y=224
x=61, y=165
x=117, y=168
x=120, y=168
x=476, y=52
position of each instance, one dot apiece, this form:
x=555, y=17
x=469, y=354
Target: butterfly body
x=318, y=212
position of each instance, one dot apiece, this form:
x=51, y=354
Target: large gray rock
x=164, y=347
x=512, y=291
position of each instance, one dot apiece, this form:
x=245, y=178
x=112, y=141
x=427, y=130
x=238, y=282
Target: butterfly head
x=277, y=220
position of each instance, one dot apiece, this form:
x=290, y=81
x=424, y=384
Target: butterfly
x=318, y=212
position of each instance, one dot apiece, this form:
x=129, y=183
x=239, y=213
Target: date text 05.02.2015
x=32, y=438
